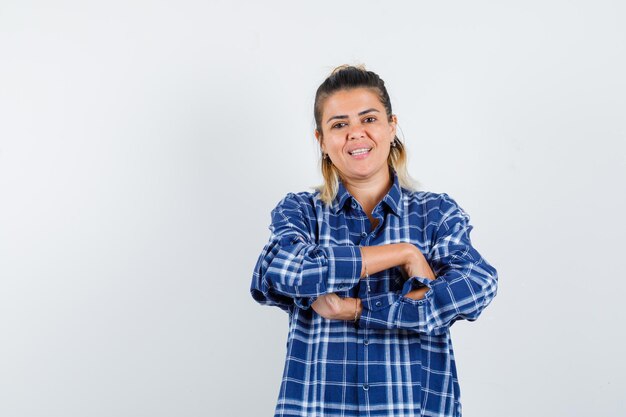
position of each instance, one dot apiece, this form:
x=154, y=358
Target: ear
x=393, y=124
x=320, y=139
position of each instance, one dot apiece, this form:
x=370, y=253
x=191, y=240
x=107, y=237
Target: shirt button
x=366, y=342
x=340, y=286
x=353, y=204
x=378, y=303
x=363, y=234
x=366, y=387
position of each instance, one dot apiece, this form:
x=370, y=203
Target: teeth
x=359, y=151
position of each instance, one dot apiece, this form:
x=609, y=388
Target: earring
x=393, y=143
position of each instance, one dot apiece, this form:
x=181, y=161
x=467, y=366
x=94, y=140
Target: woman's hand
x=331, y=306
x=416, y=266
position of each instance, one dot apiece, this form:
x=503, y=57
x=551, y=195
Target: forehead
x=348, y=102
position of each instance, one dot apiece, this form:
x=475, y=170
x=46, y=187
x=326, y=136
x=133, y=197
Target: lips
x=359, y=151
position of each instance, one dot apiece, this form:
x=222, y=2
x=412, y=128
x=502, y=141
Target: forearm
x=429, y=306
x=380, y=258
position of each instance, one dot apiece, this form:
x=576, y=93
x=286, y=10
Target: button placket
x=365, y=237
x=364, y=241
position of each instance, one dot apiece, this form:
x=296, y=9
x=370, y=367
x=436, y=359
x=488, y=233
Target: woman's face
x=356, y=134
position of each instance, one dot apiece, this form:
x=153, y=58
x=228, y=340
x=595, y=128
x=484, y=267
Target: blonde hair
x=347, y=77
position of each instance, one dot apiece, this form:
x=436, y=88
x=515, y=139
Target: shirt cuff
x=420, y=316
x=380, y=311
x=384, y=311
x=415, y=283
x=344, y=267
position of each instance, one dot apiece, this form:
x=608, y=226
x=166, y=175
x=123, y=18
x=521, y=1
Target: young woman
x=372, y=272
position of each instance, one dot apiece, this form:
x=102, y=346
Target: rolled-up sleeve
x=466, y=283
x=293, y=268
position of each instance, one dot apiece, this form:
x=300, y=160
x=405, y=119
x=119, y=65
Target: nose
x=356, y=132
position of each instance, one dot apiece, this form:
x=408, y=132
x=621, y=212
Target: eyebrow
x=344, y=116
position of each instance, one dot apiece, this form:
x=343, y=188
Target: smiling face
x=356, y=134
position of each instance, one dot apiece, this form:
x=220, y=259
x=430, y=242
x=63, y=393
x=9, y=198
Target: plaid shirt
x=398, y=359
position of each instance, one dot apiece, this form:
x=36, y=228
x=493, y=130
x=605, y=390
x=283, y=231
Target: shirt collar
x=392, y=199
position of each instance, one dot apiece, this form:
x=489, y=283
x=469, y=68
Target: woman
x=371, y=272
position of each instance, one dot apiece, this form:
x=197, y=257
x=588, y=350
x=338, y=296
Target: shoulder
x=437, y=206
x=300, y=207
x=303, y=200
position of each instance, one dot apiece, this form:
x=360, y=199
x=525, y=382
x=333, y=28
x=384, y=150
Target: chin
x=361, y=174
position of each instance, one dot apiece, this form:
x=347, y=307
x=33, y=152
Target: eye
x=338, y=125
x=369, y=119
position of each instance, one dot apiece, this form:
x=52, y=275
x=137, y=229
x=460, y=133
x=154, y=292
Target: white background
x=144, y=143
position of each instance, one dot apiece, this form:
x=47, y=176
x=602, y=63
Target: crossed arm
x=377, y=258
x=295, y=271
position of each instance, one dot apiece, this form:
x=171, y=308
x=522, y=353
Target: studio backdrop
x=143, y=145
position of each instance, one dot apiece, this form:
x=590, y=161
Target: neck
x=369, y=192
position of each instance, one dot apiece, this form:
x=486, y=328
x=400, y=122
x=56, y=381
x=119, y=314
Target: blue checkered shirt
x=398, y=359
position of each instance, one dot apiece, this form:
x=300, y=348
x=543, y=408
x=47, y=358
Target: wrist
x=407, y=253
x=352, y=308
x=417, y=294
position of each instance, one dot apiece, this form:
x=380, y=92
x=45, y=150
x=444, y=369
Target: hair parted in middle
x=347, y=77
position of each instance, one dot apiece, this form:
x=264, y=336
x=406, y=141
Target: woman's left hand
x=331, y=306
x=424, y=270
